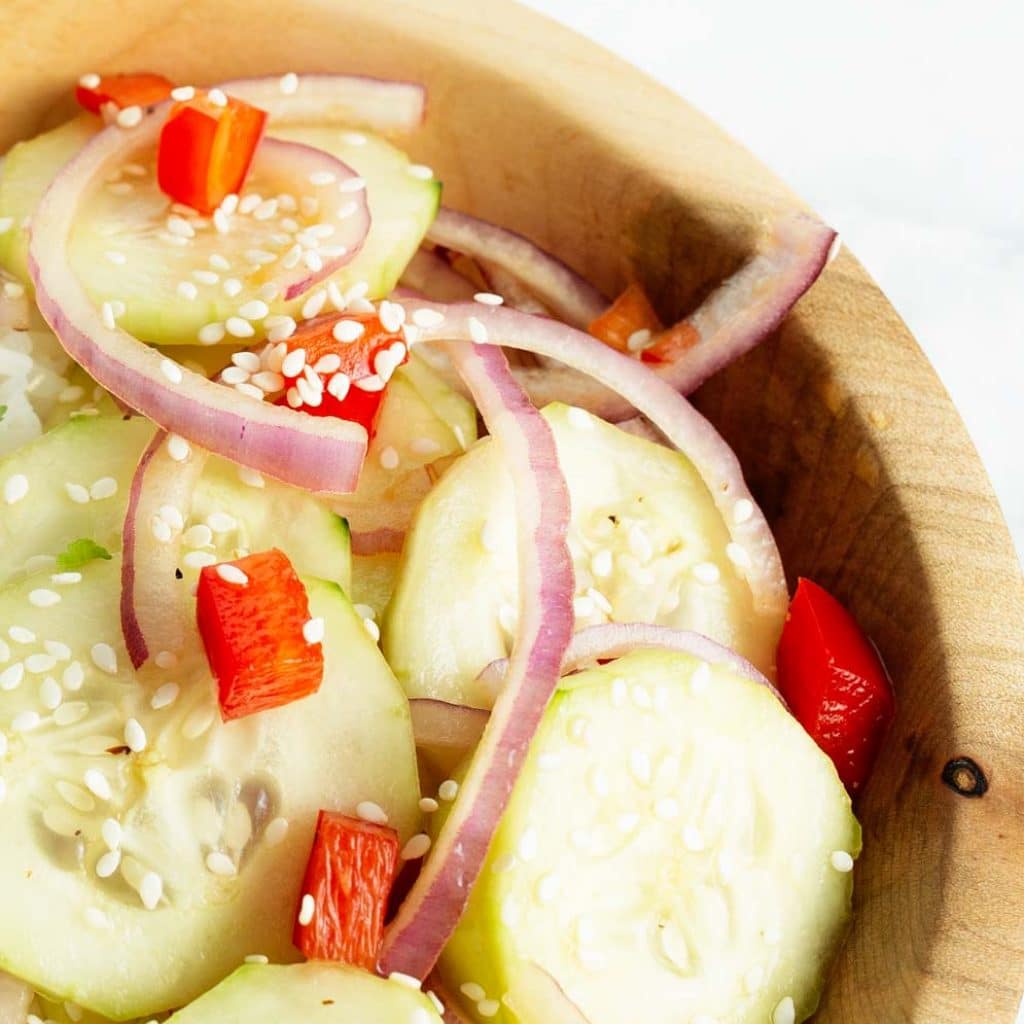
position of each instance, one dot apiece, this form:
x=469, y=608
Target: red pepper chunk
x=353, y=374
x=135, y=90
x=630, y=312
x=206, y=149
x=349, y=875
x=251, y=615
x=834, y=682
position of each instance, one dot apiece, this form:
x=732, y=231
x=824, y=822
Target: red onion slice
x=153, y=615
x=355, y=101
x=437, y=900
x=436, y=723
x=433, y=277
x=739, y=314
x=752, y=546
x=534, y=994
x=569, y=297
x=315, y=453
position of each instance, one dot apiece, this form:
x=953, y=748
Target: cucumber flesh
x=126, y=220
x=669, y=853
x=199, y=787
x=645, y=536
x=301, y=993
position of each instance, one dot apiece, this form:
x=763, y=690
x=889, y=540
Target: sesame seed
x=172, y=371
x=389, y=458
x=6, y=223
x=217, y=97
x=89, y=81
x=257, y=958
x=177, y=225
x=582, y=607
x=307, y=909
x=129, y=117
x=638, y=340
x=96, y=918
x=293, y=398
x=73, y=676
x=738, y=555
x=313, y=631
x=111, y=833
x=58, y=650
x=315, y=303
x=183, y=93
x=508, y=618
x=234, y=375
x=355, y=184
x=405, y=980
x=251, y=477
x=77, y=493
x=742, y=511
x=785, y=1012
x=276, y=831
x=369, y=811
x=488, y=1007
x=239, y=328
x=428, y=805
x=313, y=261
x=107, y=316
x=178, y=448
x=448, y=790
x=842, y=861
x=105, y=487
x=97, y=783
x=392, y=316
x=198, y=536
x=473, y=992
x=26, y=721
x=706, y=572
x=211, y=334
x=700, y=680
x=265, y=210
x=120, y=188
x=104, y=658
x=259, y=257
x=187, y=290
x=165, y=696
x=232, y=574
x=308, y=394
x=255, y=309
x=667, y=809
x=108, y=863
x=547, y=888
x=117, y=258
x=416, y=847
x=151, y=890
x=339, y=386
x=294, y=362
x=161, y=530
x=477, y=330
x=37, y=664
x=218, y=863
x=135, y=735
x=43, y=598
x=347, y=331
x=424, y=446
x=289, y=83
x=15, y=488
x=328, y=364
x=69, y=714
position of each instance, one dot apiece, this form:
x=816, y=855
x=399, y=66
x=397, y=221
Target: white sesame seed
x=389, y=458
x=97, y=783
x=58, y=650
x=43, y=598
x=638, y=340
x=217, y=97
x=107, y=316
x=259, y=257
x=428, y=805
x=218, y=863
x=294, y=362
x=117, y=258
x=488, y=1007
x=842, y=861
x=488, y=298
x=11, y=677
x=313, y=631
x=700, y=680
x=369, y=811
x=165, y=696
x=177, y=225
x=108, y=863
x=89, y=81
x=473, y=992
x=105, y=487
x=187, y=290
x=706, y=572
x=309, y=395
x=77, y=493
x=785, y=1012
x=111, y=833
x=26, y=721
x=347, y=331
x=293, y=398
x=239, y=328
x=742, y=511
x=183, y=93
x=416, y=847
x=276, y=831
x=37, y=664
x=6, y=223
x=178, y=448
x=582, y=607
x=448, y=790
x=251, y=477
x=355, y=184
x=257, y=958
x=547, y=888
x=129, y=117
x=392, y=316
x=234, y=375
x=198, y=536
x=15, y=488
x=477, y=330
x=738, y=555
x=104, y=658
x=307, y=909
x=211, y=334
x=172, y=371
x=322, y=178
x=151, y=890
x=315, y=303
x=232, y=574
x=254, y=309
x=693, y=840
x=405, y=980
x=96, y=918
x=69, y=714
x=73, y=676
x=135, y=735
x=120, y=188
x=667, y=809
x=161, y=530
x=265, y=210
x=289, y=83
x=14, y=289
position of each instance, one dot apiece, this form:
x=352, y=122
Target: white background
x=902, y=123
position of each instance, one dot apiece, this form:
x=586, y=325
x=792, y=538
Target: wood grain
x=846, y=434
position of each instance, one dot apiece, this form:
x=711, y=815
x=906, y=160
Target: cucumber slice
x=89, y=449
x=199, y=787
x=676, y=849
x=645, y=535
x=301, y=993
x=125, y=220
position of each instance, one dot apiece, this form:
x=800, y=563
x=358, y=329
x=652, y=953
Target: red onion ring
x=667, y=410
x=437, y=723
x=350, y=100
x=311, y=452
x=569, y=297
x=435, y=903
x=432, y=276
x=153, y=615
x=535, y=995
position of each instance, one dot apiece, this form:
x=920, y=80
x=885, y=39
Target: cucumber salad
x=383, y=635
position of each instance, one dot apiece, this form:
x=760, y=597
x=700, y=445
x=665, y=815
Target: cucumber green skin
x=84, y=449
x=488, y=950
x=401, y=206
x=303, y=993
x=349, y=742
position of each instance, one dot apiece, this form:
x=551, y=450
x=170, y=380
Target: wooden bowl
x=849, y=439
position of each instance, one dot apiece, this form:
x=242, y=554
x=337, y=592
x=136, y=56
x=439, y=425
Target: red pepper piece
x=206, y=150
x=369, y=359
x=834, y=682
x=630, y=312
x=252, y=630
x=136, y=90
x=349, y=875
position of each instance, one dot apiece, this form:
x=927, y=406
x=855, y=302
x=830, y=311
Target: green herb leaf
x=79, y=552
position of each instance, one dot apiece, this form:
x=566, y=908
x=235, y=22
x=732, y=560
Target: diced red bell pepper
x=834, y=682
x=353, y=374
x=135, y=90
x=252, y=627
x=349, y=875
x=630, y=312
x=206, y=149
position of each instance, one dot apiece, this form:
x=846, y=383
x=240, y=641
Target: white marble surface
x=901, y=124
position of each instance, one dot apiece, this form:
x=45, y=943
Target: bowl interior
x=848, y=439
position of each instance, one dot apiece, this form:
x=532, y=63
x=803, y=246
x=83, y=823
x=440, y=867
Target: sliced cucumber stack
x=302, y=993
x=175, y=272
x=647, y=542
x=73, y=483
x=153, y=846
x=676, y=849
